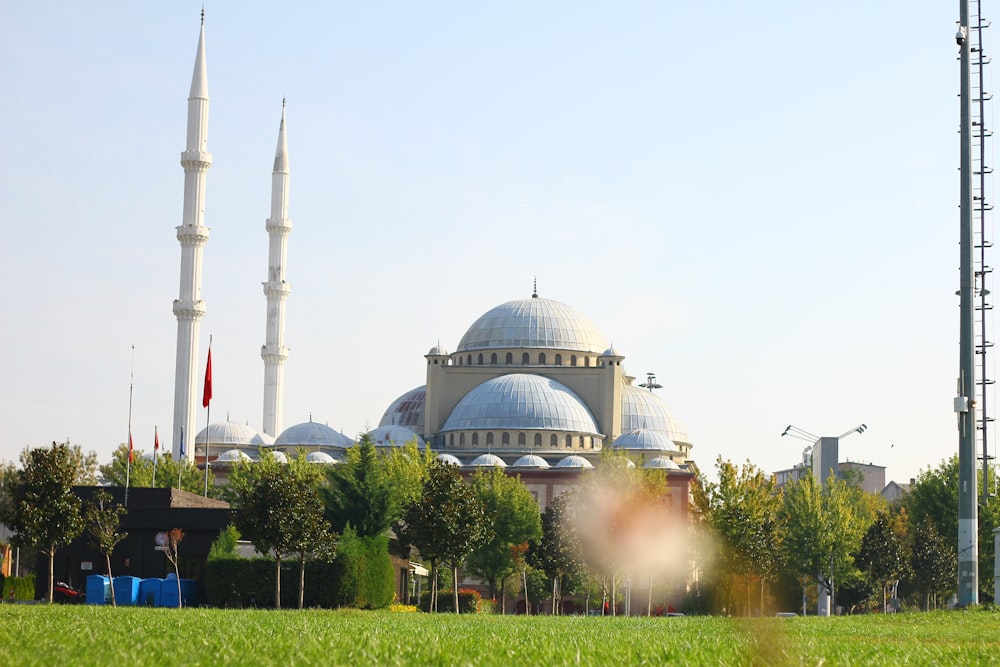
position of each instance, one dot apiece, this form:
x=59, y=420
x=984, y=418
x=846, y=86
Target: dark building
x=150, y=512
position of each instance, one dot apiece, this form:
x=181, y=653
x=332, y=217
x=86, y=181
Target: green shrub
x=468, y=601
x=224, y=545
x=249, y=582
x=23, y=588
x=364, y=572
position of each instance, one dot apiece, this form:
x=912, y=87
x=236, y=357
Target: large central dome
x=533, y=323
x=520, y=401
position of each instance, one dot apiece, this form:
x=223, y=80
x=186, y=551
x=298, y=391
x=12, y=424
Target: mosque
x=532, y=385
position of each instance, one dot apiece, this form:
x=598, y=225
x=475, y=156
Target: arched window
x=541, y=359
x=538, y=440
x=558, y=360
x=468, y=360
x=493, y=358
x=510, y=358
x=525, y=359
x=521, y=440
x=572, y=360
x=581, y=442
x=451, y=440
x=505, y=439
x=569, y=441
x=461, y=440
x=489, y=439
x=586, y=361
x=480, y=362
x=475, y=439
x=553, y=440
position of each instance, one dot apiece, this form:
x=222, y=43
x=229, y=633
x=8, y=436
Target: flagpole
x=181, y=459
x=156, y=448
x=206, y=401
x=128, y=461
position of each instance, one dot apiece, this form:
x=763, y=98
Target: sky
x=758, y=203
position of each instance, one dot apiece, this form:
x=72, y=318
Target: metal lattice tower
x=982, y=223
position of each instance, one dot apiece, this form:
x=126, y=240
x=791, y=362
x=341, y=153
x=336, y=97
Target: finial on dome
x=310, y=417
x=203, y=14
x=282, y=103
x=534, y=291
x=227, y=415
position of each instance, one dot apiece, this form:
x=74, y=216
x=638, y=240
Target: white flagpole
x=156, y=447
x=128, y=460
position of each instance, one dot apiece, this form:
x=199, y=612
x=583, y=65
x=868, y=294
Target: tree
x=445, y=524
x=225, y=545
x=278, y=509
x=171, y=549
x=820, y=530
x=44, y=512
x=935, y=495
x=558, y=553
x=140, y=473
x=881, y=555
x=741, y=510
x=357, y=493
x=513, y=519
x=933, y=561
x=103, y=518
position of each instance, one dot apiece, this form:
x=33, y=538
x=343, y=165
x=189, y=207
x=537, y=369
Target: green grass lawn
x=86, y=635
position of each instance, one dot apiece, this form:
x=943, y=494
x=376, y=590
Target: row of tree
x=835, y=535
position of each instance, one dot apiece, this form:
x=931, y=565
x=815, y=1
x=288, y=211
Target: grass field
x=84, y=635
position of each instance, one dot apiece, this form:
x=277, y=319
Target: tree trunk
x=527, y=606
x=111, y=580
x=883, y=599
x=302, y=579
x=277, y=581
x=555, y=611
x=52, y=557
x=454, y=585
x=749, y=589
x=503, y=596
x=177, y=576
x=432, y=600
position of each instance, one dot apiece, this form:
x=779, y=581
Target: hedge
x=468, y=601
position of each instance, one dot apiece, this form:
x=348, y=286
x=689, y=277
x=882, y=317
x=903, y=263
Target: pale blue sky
x=756, y=202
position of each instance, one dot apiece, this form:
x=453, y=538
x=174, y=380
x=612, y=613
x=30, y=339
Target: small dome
x=663, y=463
x=229, y=433
x=264, y=440
x=438, y=351
x=487, y=461
x=533, y=323
x=574, y=462
x=320, y=457
x=521, y=401
x=312, y=434
x=394, y=436
x=645, y=439
x=279, y=456
x=449, y=460
x=611, y=352
x=531, y=461
x=407, y=410
x=644, y=409
x=231, y=456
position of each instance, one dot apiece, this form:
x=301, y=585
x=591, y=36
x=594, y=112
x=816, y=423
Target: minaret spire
x=276, y=289
x=192, y=235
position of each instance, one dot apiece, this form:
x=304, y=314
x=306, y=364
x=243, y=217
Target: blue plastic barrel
x=98, y=589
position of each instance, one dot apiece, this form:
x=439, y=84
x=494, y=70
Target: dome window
x=569, y=442
x=489, y=439
x=558, y=360
x=510, y=358
x=553, y=440
x=505, y=439
x=480, y=359
x=525, y=359
x=493, y=358
x=541, y=359
x=475, y=439
x=538, y=440
x=572, y=360
x=522, y=440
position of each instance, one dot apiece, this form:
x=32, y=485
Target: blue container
x=126, y=591
x=168, y=592
x=98, y=589
x=189, y=592
x=149, y=592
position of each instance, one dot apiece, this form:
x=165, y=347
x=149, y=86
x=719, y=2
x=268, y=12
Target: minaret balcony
x=281, y=226
x=195, y=235
x=196, y=160
x=189, y=311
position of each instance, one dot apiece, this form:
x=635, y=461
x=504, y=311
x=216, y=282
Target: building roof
x=394, y=436
x=642, y=409
x=312, y=434
x=645, y=439
x=521, y=401
x=533, y=323
x=407, y=410
x=531, y=461
x=233, y=434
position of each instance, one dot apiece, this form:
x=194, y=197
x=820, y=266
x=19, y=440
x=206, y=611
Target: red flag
x=207, y=396
x=131, y=458
x=156, y=439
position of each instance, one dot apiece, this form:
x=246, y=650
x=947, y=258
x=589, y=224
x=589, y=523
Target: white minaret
x=192, y=234
x=276, y=289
